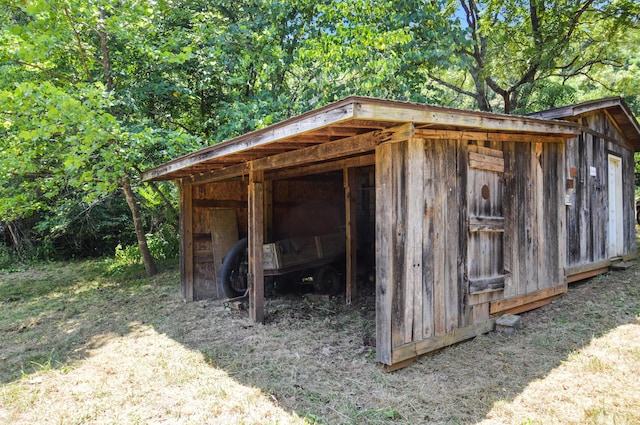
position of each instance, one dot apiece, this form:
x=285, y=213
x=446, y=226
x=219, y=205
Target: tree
x=502, y=53
x=67, y=127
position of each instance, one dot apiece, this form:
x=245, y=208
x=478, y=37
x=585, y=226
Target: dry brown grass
x=85, y=348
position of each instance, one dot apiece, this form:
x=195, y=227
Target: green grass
x=49, y=311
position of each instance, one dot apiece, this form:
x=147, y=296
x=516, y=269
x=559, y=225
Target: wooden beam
x=530, y=306
x=351, y=220
x=459, y=118
x=570, y=271
x=511, y=303
x=586, y=274
x=344, y=147
x=415, y=349
x=325, y=167
x=228, y=173
x=486, y=136
x=349, y=146
x=256, y=241
x=298, y=125
x=186, y=242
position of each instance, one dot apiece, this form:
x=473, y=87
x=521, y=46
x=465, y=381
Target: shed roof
x=349, y=117
x=615, y=107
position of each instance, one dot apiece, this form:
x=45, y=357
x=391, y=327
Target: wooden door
x=616, y=220
x=485, y=257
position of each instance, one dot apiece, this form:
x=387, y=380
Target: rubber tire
x=230, y=265
x=326, y=280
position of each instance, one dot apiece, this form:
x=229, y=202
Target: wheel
x=326, y=280
x=233, y=276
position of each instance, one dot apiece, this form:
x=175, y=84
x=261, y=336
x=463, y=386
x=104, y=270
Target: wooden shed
x=464, y=215
x=600, y=208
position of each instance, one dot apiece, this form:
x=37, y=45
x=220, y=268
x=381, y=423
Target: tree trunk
x=147, y=259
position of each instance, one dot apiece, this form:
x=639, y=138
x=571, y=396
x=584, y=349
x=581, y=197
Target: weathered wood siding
x=197, y=260
x=419, y=249
x=587, y=194
x=461, y=224
x=534, y=222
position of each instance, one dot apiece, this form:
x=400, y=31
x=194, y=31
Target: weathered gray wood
x=481, y=284
x=484, y=298
x=186, y=242
x=486, y=224
x=439, y=242
x=538, y=245
x=424, y=346
x=450, y=117
x=400, y=319
x=486, y=162
x=510, y=303
x=510, y=263
x=384, y=259
x=256, y=241
x=297, y=125
x=428, y=235
x=414, y=164
x=465, y=317
x=351, y=220
x=464, y=135
x=452, y=226
x=485, y=252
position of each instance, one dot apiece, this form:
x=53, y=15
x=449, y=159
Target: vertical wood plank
x=256, y=241
x=538, y=241
x=186, y=242
x=464, y=315
x=400, y=318
x=351, y=220
x=415, y=218
x=452, y=223
x=439, y=241
x=384, y=261
x=561, y=171
x=427, y=241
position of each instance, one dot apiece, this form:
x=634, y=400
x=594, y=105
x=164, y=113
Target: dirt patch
x=102, y=351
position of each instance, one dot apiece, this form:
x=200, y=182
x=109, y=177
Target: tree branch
x=83, y=54
x=451, y=86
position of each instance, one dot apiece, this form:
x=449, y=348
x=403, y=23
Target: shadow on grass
x=51, y=311
x=313, y=357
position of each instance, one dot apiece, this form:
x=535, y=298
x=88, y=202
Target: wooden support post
x=186, y=242
x=256, y=240
x=350, y=200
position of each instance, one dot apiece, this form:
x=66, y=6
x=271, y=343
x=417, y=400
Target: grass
x=85, y=342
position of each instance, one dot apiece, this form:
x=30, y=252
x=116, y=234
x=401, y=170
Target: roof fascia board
x=460, y=118
x=330, y=114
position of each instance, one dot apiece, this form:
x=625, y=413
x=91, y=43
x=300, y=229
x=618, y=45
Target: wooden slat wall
x=199, y=280
x=419, y=205
x=587, y=215
x=534, y=199
x=616, y=145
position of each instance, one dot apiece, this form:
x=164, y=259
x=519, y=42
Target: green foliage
x=164, y=245
x=93, y=92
